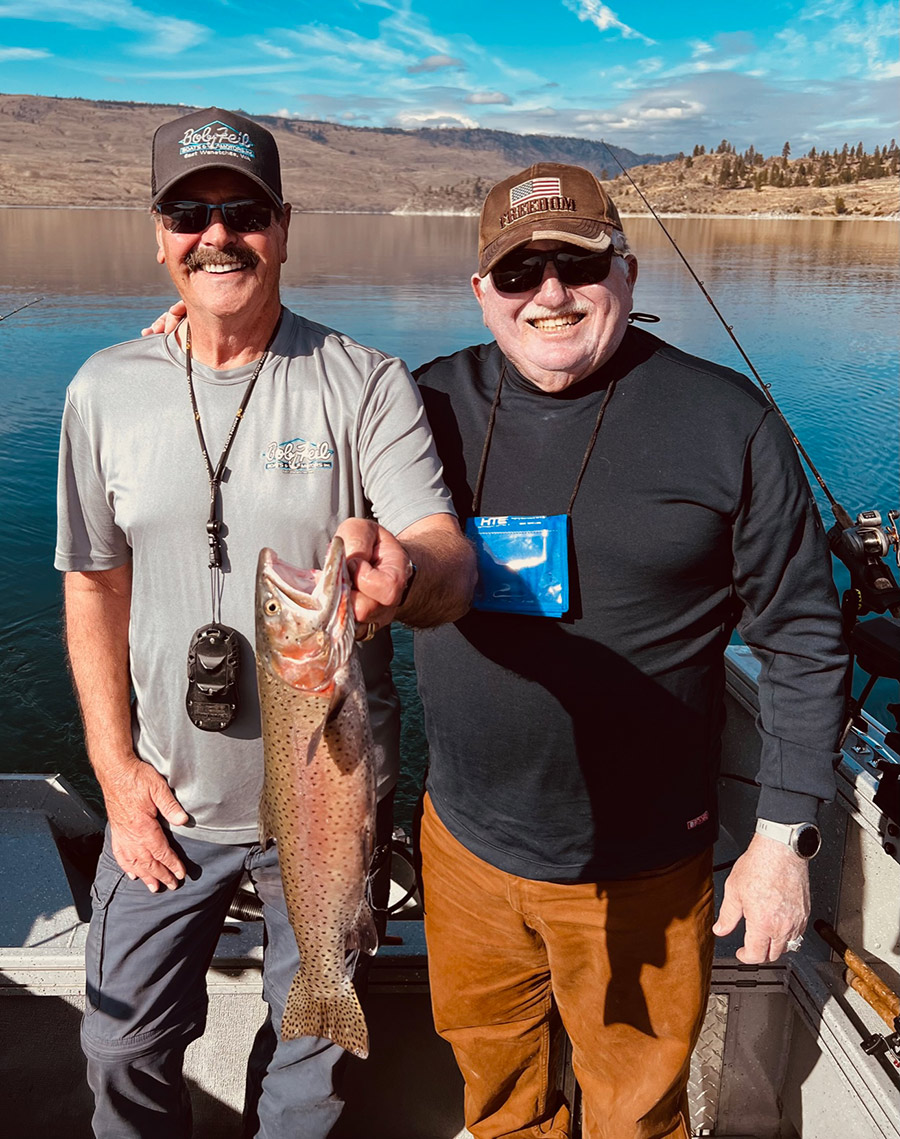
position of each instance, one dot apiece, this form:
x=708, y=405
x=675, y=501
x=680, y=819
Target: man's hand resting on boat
x=769, y=888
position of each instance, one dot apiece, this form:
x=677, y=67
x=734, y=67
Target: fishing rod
x=19, y=309
x=860, y=546
x=840, y=514
x=865, y=981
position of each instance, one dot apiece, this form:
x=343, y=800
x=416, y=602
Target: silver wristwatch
x=804, y=839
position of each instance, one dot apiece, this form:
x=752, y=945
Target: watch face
x=807, y=841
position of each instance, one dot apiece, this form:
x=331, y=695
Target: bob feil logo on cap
x=537, y=195
x=216, y=139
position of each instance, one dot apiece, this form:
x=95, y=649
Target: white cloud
x=9, y=54
x=224, y=72
x=858, y=40
x=434, y=63
x=411, y=120
x=826, y=9
x=275, y=49
x=341, y=43
x=315, y=105
x=164, y=35
x=603, y=18
x=414, y=31
x=485, y=97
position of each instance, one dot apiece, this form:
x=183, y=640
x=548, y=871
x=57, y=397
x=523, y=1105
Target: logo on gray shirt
x=298, y=455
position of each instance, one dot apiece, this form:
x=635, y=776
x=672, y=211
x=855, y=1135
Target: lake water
x=813, y=302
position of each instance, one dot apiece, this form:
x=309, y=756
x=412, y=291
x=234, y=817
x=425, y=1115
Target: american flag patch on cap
x=534, y=188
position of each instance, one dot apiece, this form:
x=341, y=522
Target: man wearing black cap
x=630, y=506
x=171, y=480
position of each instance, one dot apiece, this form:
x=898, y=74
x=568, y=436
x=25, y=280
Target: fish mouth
x=298, y=586
x=318, y=591
x=304, y=621
x=301, y=604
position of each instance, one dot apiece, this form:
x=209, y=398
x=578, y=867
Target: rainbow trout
x=318, y=799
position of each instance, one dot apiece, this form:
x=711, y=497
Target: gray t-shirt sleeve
x=87, y=535
x=399, y=465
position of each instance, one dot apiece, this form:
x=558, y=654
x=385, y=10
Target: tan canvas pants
x=625, y=965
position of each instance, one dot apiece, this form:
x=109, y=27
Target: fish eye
x=271, y=607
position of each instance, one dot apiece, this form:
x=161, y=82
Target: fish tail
x=339, y=1018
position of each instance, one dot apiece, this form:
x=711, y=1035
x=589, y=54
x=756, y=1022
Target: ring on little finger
x=794, y=944
x=371, y=630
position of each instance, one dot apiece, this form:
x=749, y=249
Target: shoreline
x=769, y=216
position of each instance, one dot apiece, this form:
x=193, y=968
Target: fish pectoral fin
x=363, y=935
x=306, y=740
x=339, y=1018
x=337, y=707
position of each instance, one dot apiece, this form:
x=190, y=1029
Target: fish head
x=304, y=622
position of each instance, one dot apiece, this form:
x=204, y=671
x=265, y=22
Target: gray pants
x=146, y=960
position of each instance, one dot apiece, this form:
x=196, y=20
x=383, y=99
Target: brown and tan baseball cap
x=547, y=202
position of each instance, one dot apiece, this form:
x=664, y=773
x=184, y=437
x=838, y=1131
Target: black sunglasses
x=523, y=269
x=244, y=216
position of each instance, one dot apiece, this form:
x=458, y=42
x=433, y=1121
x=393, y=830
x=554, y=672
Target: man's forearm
x=98, y=607
x=445, y=572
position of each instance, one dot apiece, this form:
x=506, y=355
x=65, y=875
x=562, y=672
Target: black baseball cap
x=205, y=140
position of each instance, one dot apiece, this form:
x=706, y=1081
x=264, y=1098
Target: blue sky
x=653, y=76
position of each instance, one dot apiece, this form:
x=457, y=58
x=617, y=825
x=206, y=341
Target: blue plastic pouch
x=523, y=563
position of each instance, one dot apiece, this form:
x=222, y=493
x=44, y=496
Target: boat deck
x=779, y=1056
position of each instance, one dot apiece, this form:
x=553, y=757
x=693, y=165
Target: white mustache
x=574, y=307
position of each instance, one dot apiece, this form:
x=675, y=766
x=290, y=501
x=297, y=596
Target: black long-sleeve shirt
x=587, y=746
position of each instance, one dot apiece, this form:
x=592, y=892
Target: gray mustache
x=199, y=257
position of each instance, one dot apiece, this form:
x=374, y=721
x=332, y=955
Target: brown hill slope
x=73, y=152
x=774, y=188
x=61, y=152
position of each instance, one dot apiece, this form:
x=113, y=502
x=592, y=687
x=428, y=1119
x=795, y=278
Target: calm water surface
x=813, y=302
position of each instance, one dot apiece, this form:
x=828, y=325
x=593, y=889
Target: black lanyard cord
x=479, y=483
x=584, y=462
x=213, y=524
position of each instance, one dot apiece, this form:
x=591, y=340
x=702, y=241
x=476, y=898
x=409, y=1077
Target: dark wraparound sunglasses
x=523, y=269
x=244, y=216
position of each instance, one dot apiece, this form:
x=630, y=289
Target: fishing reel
x=874, y=645
x=862, y=548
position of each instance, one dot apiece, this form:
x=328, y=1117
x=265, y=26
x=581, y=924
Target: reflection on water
x=812, y=302
x=82, y=252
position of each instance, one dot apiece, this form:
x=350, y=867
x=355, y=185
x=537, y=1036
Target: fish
x=318, y=796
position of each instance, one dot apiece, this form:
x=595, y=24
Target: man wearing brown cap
x=182, y=455
x=630, y=506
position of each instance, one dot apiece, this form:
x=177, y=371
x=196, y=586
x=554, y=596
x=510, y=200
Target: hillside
x=74, y=152
x=823, y=186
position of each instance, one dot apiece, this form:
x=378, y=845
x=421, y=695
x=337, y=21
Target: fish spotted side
x=318, y=798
